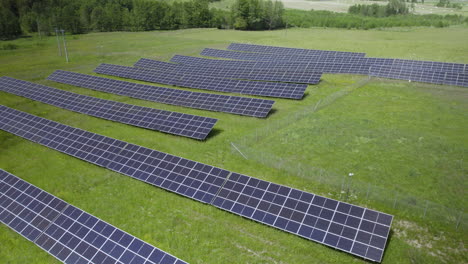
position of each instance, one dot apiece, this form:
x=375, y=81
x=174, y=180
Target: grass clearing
x=202, y=234
x=378, y=132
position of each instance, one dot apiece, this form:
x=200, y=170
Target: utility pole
x=64, y=44
x=286, y=30
x=58, y=42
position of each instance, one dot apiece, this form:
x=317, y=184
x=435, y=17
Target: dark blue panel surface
x=254, y=56
x=292, y=75
x=291, y=69
x=66, y=232
x=166, y=121
x=418, y=75
x=356, y=230
x=213, y=102
x=202, y=81
x=290, y=51
x=343, y=226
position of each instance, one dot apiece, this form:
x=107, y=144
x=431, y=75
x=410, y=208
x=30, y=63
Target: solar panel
x=418, y=75
x=66, y=232
x=292, y=68
x=381, y=68
x=235, y=73
x=213, y=102
x=192, y=126
x=25, y=209
x=353, y=229
x=290, y=51
x=177, y=78
x=426, y=65
x=184, y=177
x=248, y=56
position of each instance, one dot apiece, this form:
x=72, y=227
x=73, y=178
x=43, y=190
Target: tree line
x=18, y=17
x=80, y=16
x=394, y=7
x=446, y=3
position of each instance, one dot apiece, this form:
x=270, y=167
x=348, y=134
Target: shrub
x=394, y=7
x=10, y=46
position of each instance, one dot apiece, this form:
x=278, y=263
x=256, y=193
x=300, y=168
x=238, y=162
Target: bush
x=446, y=3
x=10, y=46
x=394, y=7
x=440, y=24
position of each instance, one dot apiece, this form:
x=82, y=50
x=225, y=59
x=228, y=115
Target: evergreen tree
x=9, y=22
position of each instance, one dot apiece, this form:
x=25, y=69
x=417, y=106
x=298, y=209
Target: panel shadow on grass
x=213, y=133
x=272, y=112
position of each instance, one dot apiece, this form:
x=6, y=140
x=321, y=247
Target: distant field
x=343, y=5
x=394, y=134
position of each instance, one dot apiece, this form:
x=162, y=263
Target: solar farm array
x=257, y=62
x=246, y=69
x=346, y=227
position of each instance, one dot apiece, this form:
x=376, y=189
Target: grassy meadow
x=398, y=135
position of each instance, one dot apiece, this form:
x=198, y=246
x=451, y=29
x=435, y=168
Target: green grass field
x=378, y=133
x=393, y=134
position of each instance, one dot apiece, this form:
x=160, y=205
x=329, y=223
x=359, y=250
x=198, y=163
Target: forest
x=80, y=16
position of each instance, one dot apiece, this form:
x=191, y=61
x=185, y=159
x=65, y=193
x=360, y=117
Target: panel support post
x=58, y=42
x=64, y=44
x=459, y=220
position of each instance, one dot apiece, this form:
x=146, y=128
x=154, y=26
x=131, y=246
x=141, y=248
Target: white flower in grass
x=351, y=174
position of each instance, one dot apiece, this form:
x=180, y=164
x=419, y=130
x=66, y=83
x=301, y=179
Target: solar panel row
x=351, y=57
x=185, y=177
x=290, y=51
x=248, y=56
x=67, y=232
x=417, y=75
x=177, y=78
x=303, y=69
x=424, y=65
x=192, y=126
x=213, y=102
x=236, y=73
x=353, y=229
x=381, y=68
